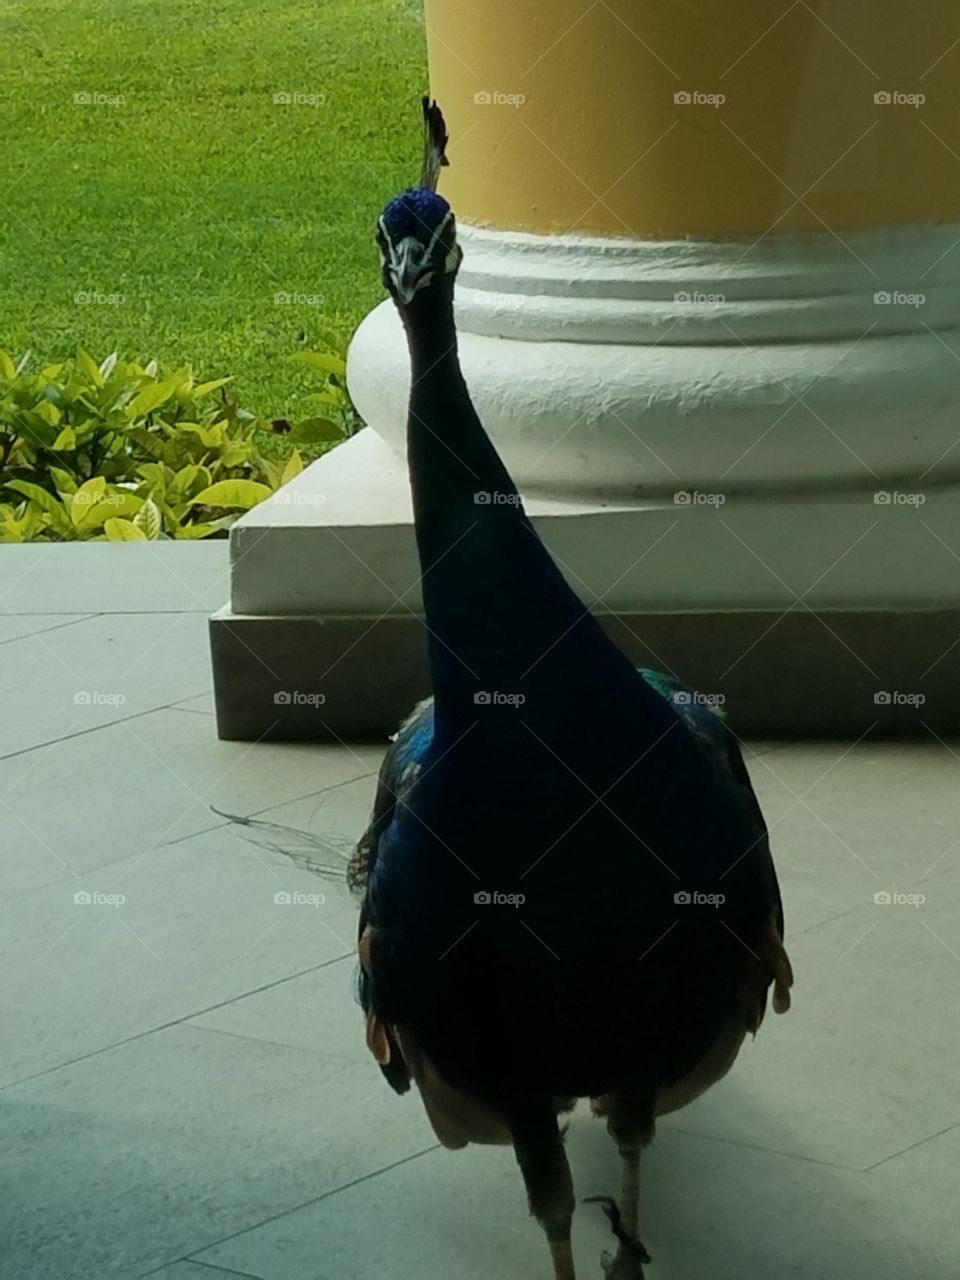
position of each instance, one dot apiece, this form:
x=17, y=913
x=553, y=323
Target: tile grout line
x=913, y=1146
x=334, y=1191
x=174, y=1022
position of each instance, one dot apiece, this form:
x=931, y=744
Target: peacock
x=566, y=885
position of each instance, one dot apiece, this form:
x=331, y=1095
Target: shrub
x=124, y=452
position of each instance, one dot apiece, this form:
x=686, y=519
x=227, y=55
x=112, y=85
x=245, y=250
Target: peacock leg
x=631, y=1125
x=538, y=1145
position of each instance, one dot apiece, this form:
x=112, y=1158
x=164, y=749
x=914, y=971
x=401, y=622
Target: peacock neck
x=503, y=623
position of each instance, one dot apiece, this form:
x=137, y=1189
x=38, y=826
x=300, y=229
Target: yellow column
x=789, y=134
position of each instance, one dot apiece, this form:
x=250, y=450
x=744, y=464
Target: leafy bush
x=123, y=452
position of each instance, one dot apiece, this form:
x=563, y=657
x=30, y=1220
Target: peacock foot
x=632, y=1254
x=628, y=1263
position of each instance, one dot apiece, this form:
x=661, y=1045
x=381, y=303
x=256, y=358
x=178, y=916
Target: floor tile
x=864, y=1064
x=712, y=1211
x=131, y=1160
x=98, y=672
x=156, y=938
x=848, y=822
x=91, y=577
x=317, y=1011
x=95, y=798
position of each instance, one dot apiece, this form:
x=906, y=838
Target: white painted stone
x=593, y=375
x=339, y=541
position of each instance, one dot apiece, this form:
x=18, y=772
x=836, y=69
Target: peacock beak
x=408, y=268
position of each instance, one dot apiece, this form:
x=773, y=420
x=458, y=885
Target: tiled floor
x=184, y=1091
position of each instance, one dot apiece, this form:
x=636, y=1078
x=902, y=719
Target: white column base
x=799, y=612
x=629, y=368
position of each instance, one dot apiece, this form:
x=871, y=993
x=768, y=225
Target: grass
x=198, y=198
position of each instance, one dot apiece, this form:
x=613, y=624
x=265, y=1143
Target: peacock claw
x=628, y=1263
x=632, y=1254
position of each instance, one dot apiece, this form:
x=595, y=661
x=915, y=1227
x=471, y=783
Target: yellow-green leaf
x=324, y=360
x=89, y=367
x=7, y=367
x=43, y=499
x=204, y=387
x=66, y=440
x=153, y=396
x=148, y=519
x=63, y=480
x=293, y=468
x=123, y=531
x=232, y=493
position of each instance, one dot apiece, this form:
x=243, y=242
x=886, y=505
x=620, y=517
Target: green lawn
x=198, y=198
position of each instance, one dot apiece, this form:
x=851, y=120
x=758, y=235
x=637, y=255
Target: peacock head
x=417, y=237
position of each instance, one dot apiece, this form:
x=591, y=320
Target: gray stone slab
x=130, y=787
x=848, y=821
x=864, y=1064
x=131, y=1160
x=711, y=1211
x=97, y=672
x=371, y=670
x=156, y=938
x=317, y=1011
x=94, y=577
